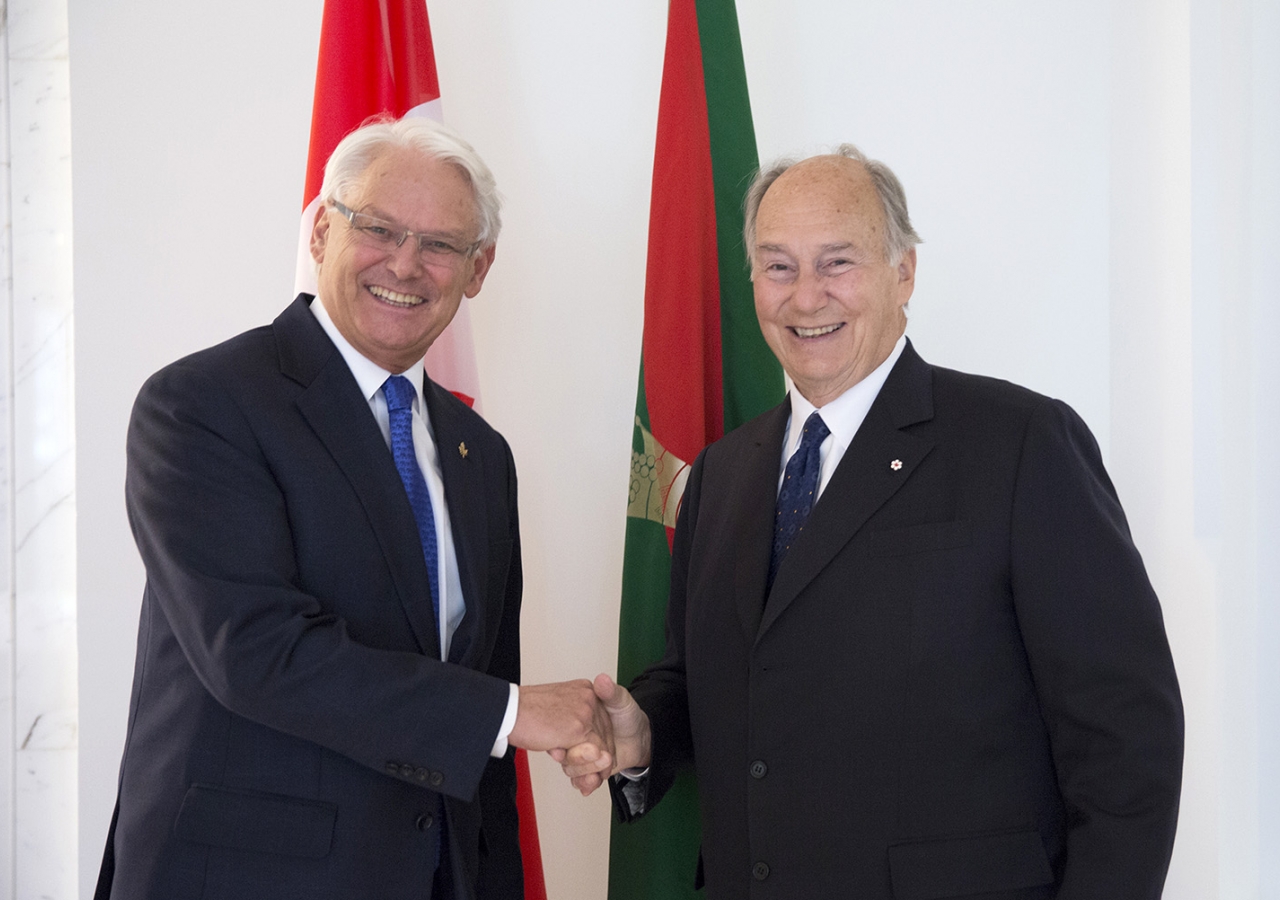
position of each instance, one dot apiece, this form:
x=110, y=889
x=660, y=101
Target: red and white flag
x=376, y=57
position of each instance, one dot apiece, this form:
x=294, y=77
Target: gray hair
x=358, y=150
x=899, y=235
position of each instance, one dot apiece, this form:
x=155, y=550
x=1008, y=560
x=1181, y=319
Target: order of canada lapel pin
x=896, y=465
x=462, y=449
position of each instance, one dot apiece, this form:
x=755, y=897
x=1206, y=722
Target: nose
x=810, y=295
x=405, y=261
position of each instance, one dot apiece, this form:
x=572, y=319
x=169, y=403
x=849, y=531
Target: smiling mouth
x=395, y=298
x=816, y=332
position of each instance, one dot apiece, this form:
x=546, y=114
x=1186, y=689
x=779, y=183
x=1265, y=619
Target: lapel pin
x=462, y=449
x=895, y=465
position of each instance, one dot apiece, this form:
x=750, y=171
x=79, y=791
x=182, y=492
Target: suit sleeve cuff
x=630, y=793
x=633, y=784
x=508, y=722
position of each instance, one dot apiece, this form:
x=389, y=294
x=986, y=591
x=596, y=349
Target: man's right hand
x=554, y=717
x=631, y=735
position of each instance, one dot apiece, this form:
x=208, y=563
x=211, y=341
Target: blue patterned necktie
x=799, y=490
x=399, y=393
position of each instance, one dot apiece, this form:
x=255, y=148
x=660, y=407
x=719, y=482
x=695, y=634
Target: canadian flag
x=376, y=57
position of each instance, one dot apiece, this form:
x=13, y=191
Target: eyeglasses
x=388, y=235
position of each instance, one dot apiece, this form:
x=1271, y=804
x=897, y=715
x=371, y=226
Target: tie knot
x=399, y=392
x=815, y=431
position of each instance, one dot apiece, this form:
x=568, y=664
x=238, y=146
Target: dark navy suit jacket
x=959, y=685
x=292, y=730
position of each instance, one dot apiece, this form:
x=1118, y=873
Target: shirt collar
x=843, y=415
x=368, y=374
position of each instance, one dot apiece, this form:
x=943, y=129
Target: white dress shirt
x=370, y=377
x=843, y=416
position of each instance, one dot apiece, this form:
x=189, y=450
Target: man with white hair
x=912, y=650
x=325, y=691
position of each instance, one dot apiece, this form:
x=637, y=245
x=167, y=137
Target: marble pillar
x=38, y=782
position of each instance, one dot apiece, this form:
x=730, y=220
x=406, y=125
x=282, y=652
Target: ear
x=481, y=263
x=906, y=276
x=319, y=234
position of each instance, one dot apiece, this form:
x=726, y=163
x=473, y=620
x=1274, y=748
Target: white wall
x=1095, y=183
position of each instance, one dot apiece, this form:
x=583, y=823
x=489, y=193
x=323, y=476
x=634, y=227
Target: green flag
x=705, y=369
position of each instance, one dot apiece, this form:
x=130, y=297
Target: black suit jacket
x=293, y=732
x=959, y=684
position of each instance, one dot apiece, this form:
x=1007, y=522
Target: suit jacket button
x=423, y=822
x=760, y=871
x=406, y=771
x=759, y=769
x=422, y=774
x=393, y=768
x=437, y=779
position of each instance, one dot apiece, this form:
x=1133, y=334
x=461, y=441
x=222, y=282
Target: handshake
x=593, y=729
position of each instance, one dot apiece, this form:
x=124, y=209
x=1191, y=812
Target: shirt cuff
x=508, y=723
x=633, y=785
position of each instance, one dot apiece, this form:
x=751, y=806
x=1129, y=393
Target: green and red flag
x=704, y=370
x=376, y=56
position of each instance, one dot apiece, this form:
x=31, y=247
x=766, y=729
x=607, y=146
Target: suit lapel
x=332, y=404
x=464, y=493
x=752, y=514
x=877, y=464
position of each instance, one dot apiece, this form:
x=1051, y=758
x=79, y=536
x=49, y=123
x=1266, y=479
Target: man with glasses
x=324, y=699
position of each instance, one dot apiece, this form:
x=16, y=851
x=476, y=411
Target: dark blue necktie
x=399, y=393
x=799, y=490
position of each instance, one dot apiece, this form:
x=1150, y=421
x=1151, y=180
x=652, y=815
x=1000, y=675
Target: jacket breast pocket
x=981, y=864
x=906, y=539
x=256, y=820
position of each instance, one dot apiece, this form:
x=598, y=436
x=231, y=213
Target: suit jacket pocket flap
x=929, y=870
x=256, y=820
